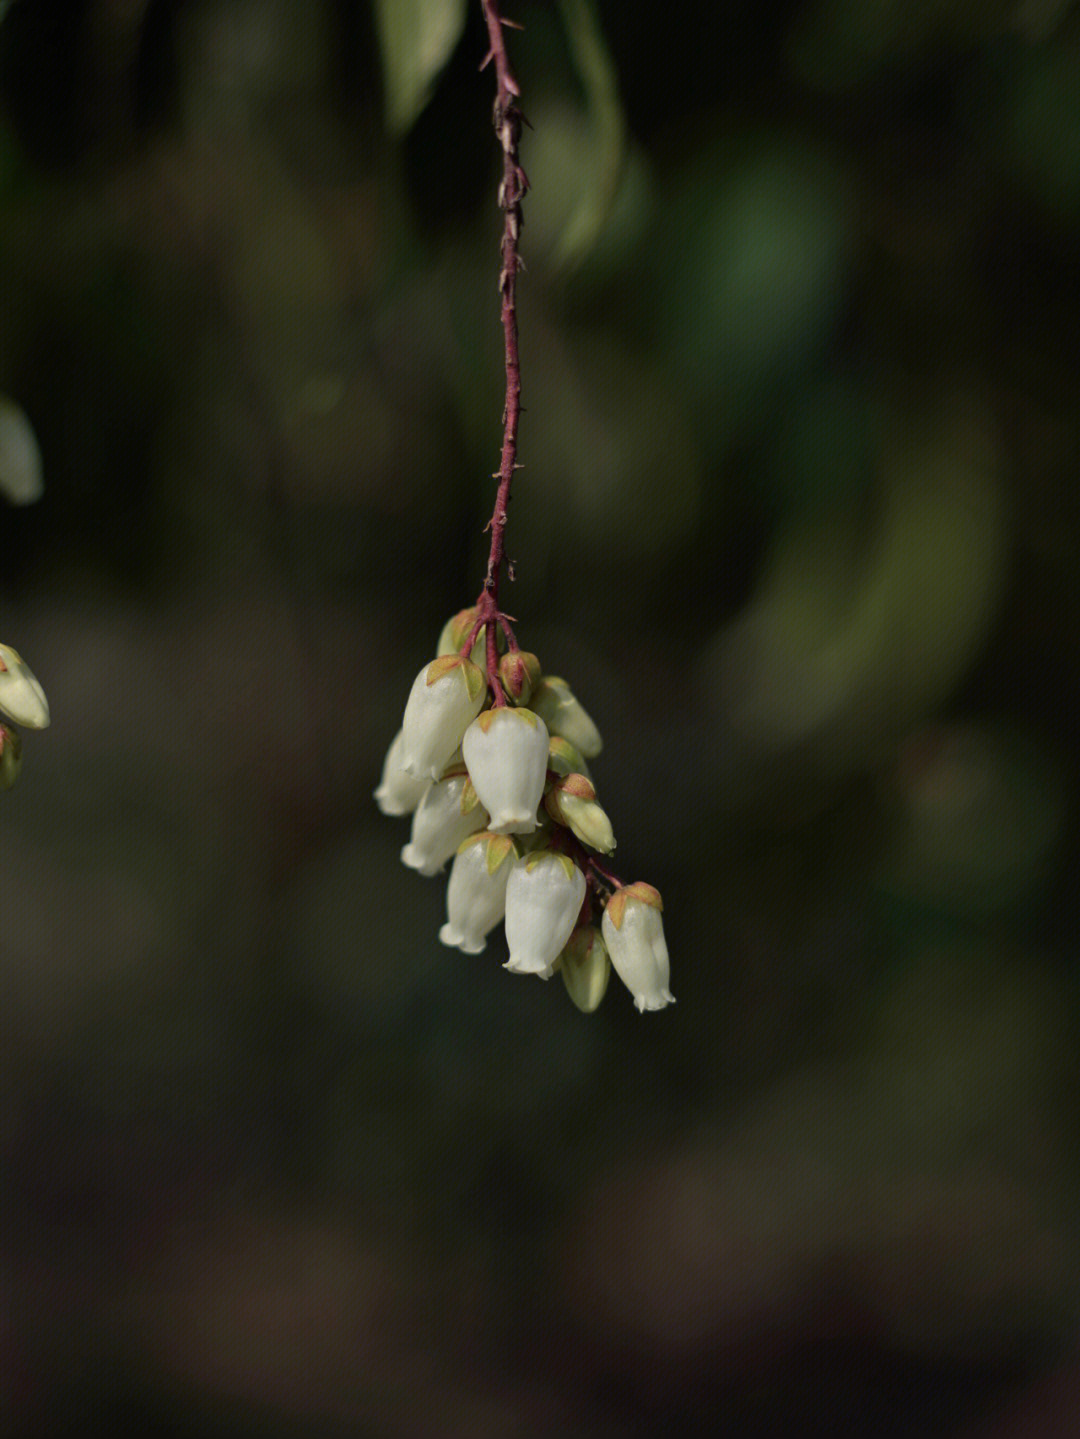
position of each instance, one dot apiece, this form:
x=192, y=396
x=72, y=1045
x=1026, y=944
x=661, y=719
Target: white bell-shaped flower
x=447, y=814
x=563, y=713
x=476, y=894
x=506, y=751
x=543, y=899
x=446, y=697
x=21, y=697
x=398, y=792
x=634, y=934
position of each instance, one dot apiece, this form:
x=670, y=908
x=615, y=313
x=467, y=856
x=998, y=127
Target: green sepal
x=500, y=847
x=540, y=854
x=577, y=786
x=646, y=893
x=474, y=679
x=469, y=798
x=485, y=718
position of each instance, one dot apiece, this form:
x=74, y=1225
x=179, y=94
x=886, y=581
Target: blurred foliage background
x=799, y=521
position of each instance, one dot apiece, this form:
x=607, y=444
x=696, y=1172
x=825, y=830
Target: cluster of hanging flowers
x=498, y=785
x=492, y=757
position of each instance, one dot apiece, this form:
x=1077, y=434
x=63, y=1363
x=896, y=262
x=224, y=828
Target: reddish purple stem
x=508, y=121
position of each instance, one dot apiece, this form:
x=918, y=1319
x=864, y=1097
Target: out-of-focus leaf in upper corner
x=417, y=38
x=20, y=456
x=607, y=141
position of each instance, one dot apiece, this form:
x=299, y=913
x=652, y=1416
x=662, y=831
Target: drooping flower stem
x=508, y=121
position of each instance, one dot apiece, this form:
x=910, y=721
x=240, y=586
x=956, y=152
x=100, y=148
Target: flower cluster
x=492, y=763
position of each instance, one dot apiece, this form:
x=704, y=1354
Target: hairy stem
x=508, y=121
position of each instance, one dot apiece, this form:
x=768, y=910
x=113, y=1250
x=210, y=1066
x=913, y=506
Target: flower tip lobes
x=447, y=815
x=446, y=697
x=506, y=751
x=398, y=793
x=544, y=895
x=21, y=697
x=560, y=709
x=634, y=933
x=476, y=894
x=585, y=968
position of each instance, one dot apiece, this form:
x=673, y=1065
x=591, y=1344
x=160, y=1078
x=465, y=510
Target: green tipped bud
x=564, y=759
x=572, y=802
x=585, y=968
x=520, y=674
x=554, y=701
x=10, y=756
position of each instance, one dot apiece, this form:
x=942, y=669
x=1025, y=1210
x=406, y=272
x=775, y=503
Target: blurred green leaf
x=849, y=640
x=417, y=39
x=607, y=148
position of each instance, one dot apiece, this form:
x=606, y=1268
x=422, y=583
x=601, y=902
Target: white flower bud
x=447, y=815
x=398, y=792
x=556, y=704
x=446, y=697
x=543, y=899
x=506, y=752
x=21, y=697
x=634, y=933
x=476, y=894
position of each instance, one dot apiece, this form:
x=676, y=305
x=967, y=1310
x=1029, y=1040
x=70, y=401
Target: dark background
x=799, y=522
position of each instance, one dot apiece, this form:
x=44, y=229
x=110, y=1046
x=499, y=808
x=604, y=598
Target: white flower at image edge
x=506, y=752
x=398, y=792
x=543, y=899
x=476, y=893
x=440, y=824
x=446, y=697
x=634, y=934
x=21, y=697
